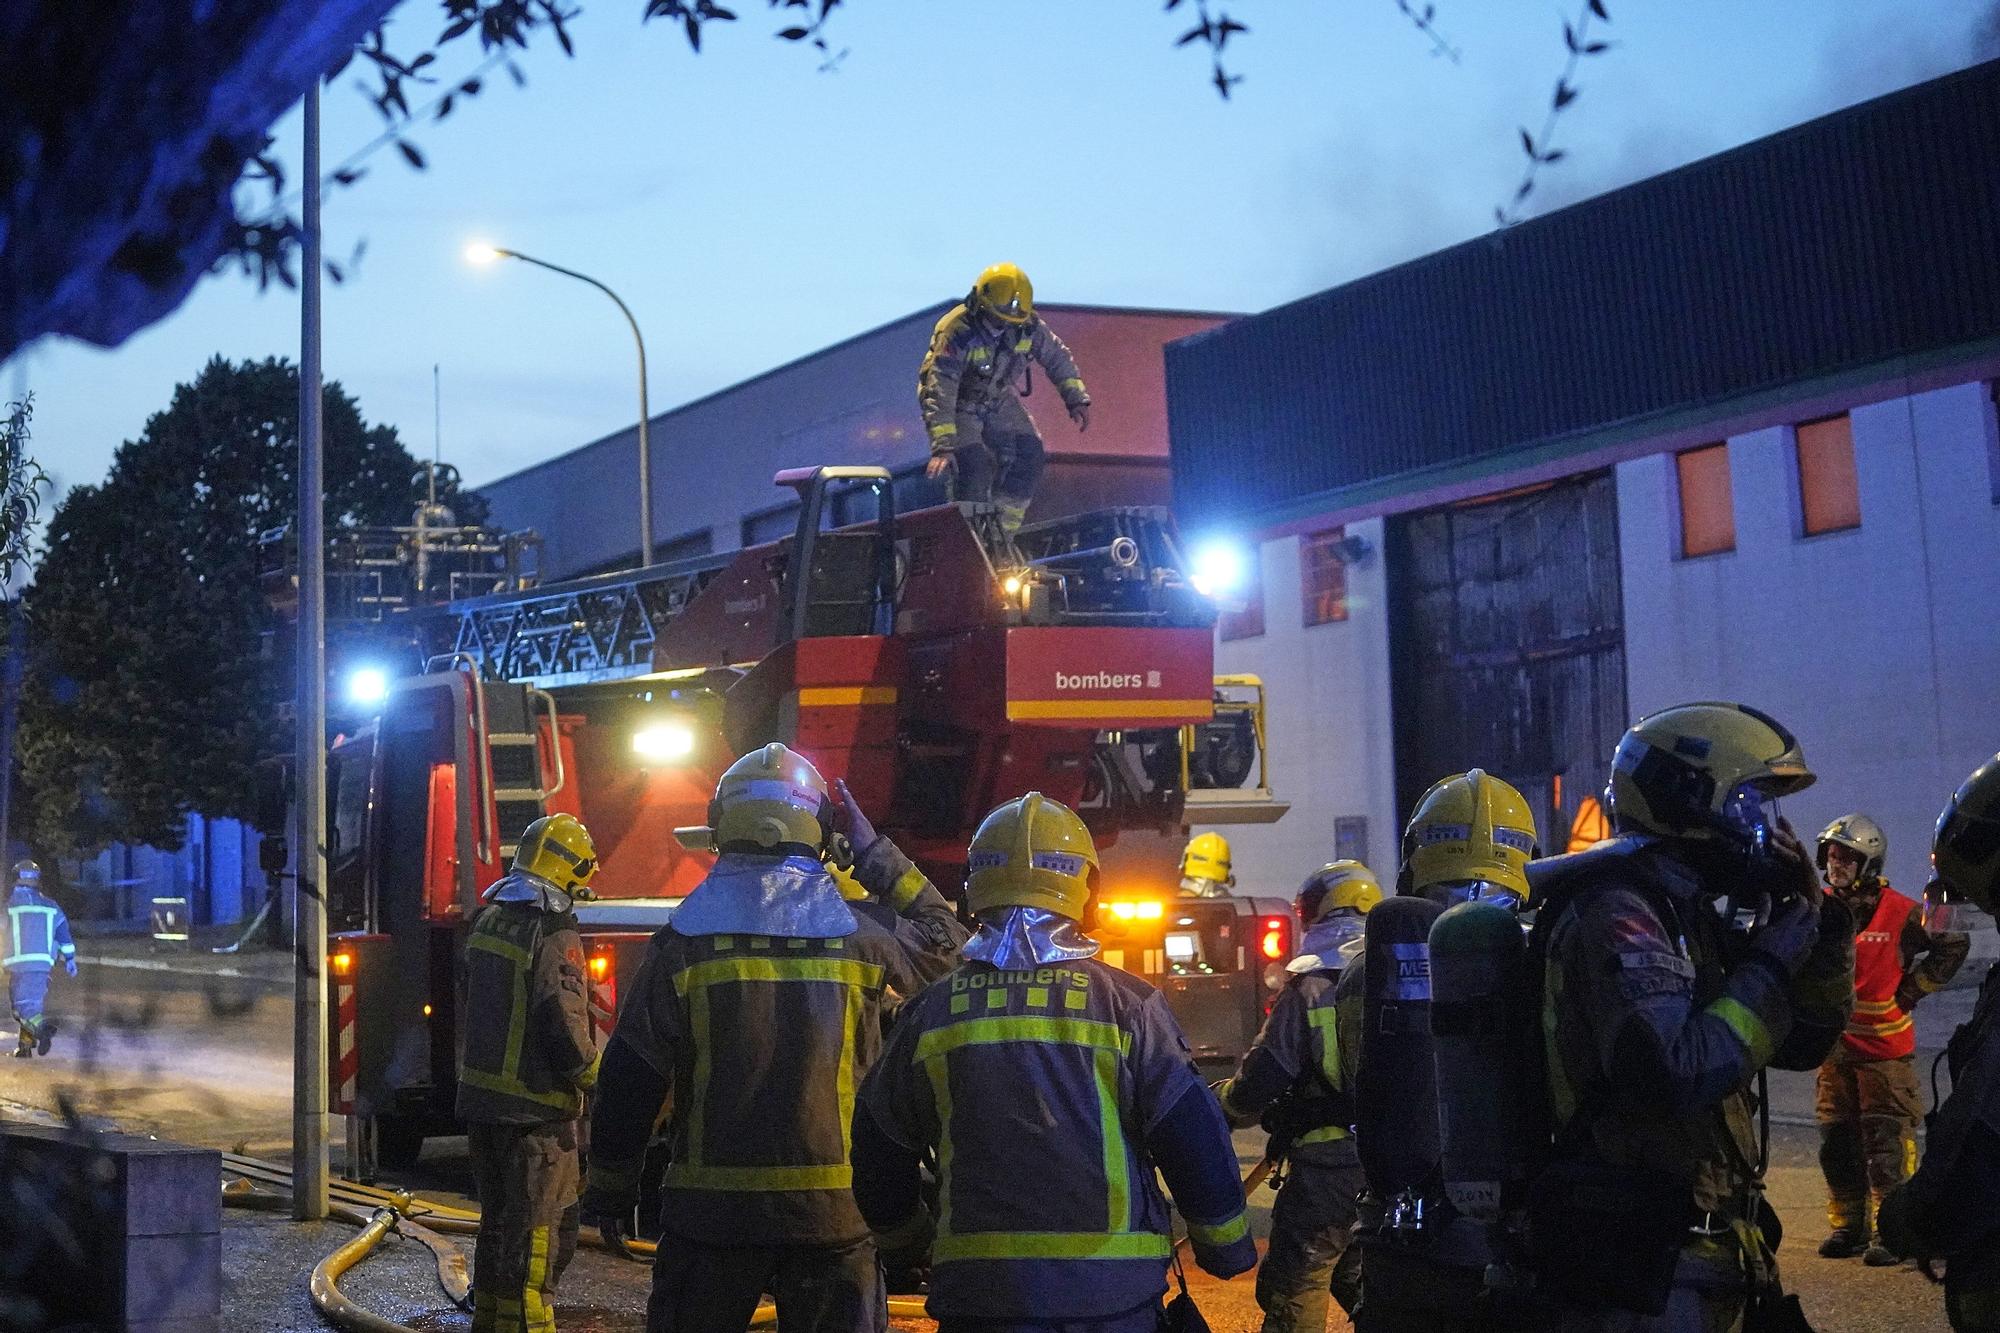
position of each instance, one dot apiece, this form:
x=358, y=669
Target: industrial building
x=1726, y=433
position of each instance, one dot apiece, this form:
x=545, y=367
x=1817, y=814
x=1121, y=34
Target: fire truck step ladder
x=514, y=741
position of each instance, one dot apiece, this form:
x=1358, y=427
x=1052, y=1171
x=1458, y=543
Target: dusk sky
x=752, y=209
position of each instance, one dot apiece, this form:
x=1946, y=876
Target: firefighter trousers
x=1310, y=1256
x=1708, y=1296
x=1145, y=1319
x=715, y=1288
x=1868, y=1112
x=998, y=458
x=527, y=1180
x=27, y=991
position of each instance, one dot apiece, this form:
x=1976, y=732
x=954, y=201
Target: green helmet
x=1965, y=851
x=770, y=798
x=1703, y=771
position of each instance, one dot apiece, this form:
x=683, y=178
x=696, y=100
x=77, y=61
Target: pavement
x=196, y=1046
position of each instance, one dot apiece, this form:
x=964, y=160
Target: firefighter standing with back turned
x=527, y=1060
x=1947, y=1209
x=1423, y=1266
x=980, y=361
x=1869, y=1102
x=1291, y=1078
x=1051, y=1087
x=35, y=938
x=1679, y=960
x=756, y=1012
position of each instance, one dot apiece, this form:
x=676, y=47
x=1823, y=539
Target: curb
x=178, y=969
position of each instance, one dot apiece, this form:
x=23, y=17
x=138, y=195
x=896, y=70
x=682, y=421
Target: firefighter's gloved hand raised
x=1786, y=939
x=850, y=822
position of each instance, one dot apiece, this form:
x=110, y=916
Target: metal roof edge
x=1622, y=441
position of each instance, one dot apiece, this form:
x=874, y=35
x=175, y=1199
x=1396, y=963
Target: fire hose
x=378, y=1212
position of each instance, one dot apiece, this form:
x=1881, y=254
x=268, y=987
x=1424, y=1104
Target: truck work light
x=663, y=742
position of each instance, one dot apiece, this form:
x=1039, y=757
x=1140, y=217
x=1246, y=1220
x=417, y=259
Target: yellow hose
x=326, y=1294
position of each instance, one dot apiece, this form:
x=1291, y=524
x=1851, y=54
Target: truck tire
x=399, y=1139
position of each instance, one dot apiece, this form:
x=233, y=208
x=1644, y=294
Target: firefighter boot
x=44, y=1035
x=1850, y=1236
x=25, y=1045
x=1879, y=1255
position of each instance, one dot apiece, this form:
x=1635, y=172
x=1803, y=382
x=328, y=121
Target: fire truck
x=935, y=663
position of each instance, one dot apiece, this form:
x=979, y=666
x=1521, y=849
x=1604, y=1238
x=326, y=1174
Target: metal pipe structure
x=1120, y=551
x=485, y=253
x=310, y=1161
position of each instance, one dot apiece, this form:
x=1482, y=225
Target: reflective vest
x=528, y=1051
x=37, y=933
x=1037, y=1087
x=1879, y=1029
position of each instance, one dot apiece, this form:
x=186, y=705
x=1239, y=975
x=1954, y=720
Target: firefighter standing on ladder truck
x=527, y=1061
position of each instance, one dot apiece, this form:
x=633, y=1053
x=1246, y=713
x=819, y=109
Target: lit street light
x=480, y=252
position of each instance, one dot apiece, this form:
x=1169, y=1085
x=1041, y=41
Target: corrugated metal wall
x=1847, y=242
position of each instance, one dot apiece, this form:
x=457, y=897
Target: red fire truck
x=936, y=664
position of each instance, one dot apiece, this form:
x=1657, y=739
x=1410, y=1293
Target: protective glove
x=850, y=821
x=939, y=465
x=906, y=1247
x=70, y=965
x=1080, y=414
x=1786, y=939
x=1908, y=994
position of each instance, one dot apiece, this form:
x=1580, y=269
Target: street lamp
x=480, y=252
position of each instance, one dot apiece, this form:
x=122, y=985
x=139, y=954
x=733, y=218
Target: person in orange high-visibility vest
x=1869, y=1101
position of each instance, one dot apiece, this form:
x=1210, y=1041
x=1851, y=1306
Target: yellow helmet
x=1334, y=886
x=1703, y=771
x=1965, y=852
x=558, y=848
x=1031, y=852
x=1207, y=857
x=1470, y=830
x=1005, y=292
x=769, y=798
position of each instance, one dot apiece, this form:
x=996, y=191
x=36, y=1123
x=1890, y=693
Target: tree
x=147, y=694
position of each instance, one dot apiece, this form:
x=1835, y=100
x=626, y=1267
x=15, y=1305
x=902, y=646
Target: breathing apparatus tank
x=1478, y=956
x=1396, y=1083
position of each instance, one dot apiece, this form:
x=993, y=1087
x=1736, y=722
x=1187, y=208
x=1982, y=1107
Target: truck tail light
x=600, y=966
x=1277, y=941
x=343, y=963
x=603, y=968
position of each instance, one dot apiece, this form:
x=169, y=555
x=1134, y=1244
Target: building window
x=1248, y=622
x=1708, y=512
x=1829, y=498
x=1323, y=576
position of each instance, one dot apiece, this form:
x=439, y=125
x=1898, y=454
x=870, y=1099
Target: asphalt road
x=207, y=1059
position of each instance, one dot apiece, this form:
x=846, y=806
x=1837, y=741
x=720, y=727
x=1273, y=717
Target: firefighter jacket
x=35, y=934
x=1657, y=1019
x=1946, y=1209
x=973, y=360
x=1295, y=1067
x=755, y=1044
x=1051, y=1095
x=1896, y=963
x=527, y=1055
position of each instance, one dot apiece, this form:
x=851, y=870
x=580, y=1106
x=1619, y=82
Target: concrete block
x=172, y=1277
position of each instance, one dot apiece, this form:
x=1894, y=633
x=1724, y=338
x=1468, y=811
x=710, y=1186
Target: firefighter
x=1291, y=1079
x=1679, y=960
x=1051, y=1087
x=1205, y=867
x=37, y=935
x=527, y=1061
x=1946, y=1210
x=1469, y=840
x=981, y=356
x=757, y=1011
x=1869, y=1102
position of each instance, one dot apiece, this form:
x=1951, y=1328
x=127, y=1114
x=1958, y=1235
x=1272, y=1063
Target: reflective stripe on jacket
x=1038, y=1088
x=763, y=1040
x=36, y=933
x=528, y=1054
x=972, y=360
x=1298, y=1051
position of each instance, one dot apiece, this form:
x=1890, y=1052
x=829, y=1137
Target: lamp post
x=482, y=253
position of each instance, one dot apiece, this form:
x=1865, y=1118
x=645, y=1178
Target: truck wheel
x=398, y=1141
